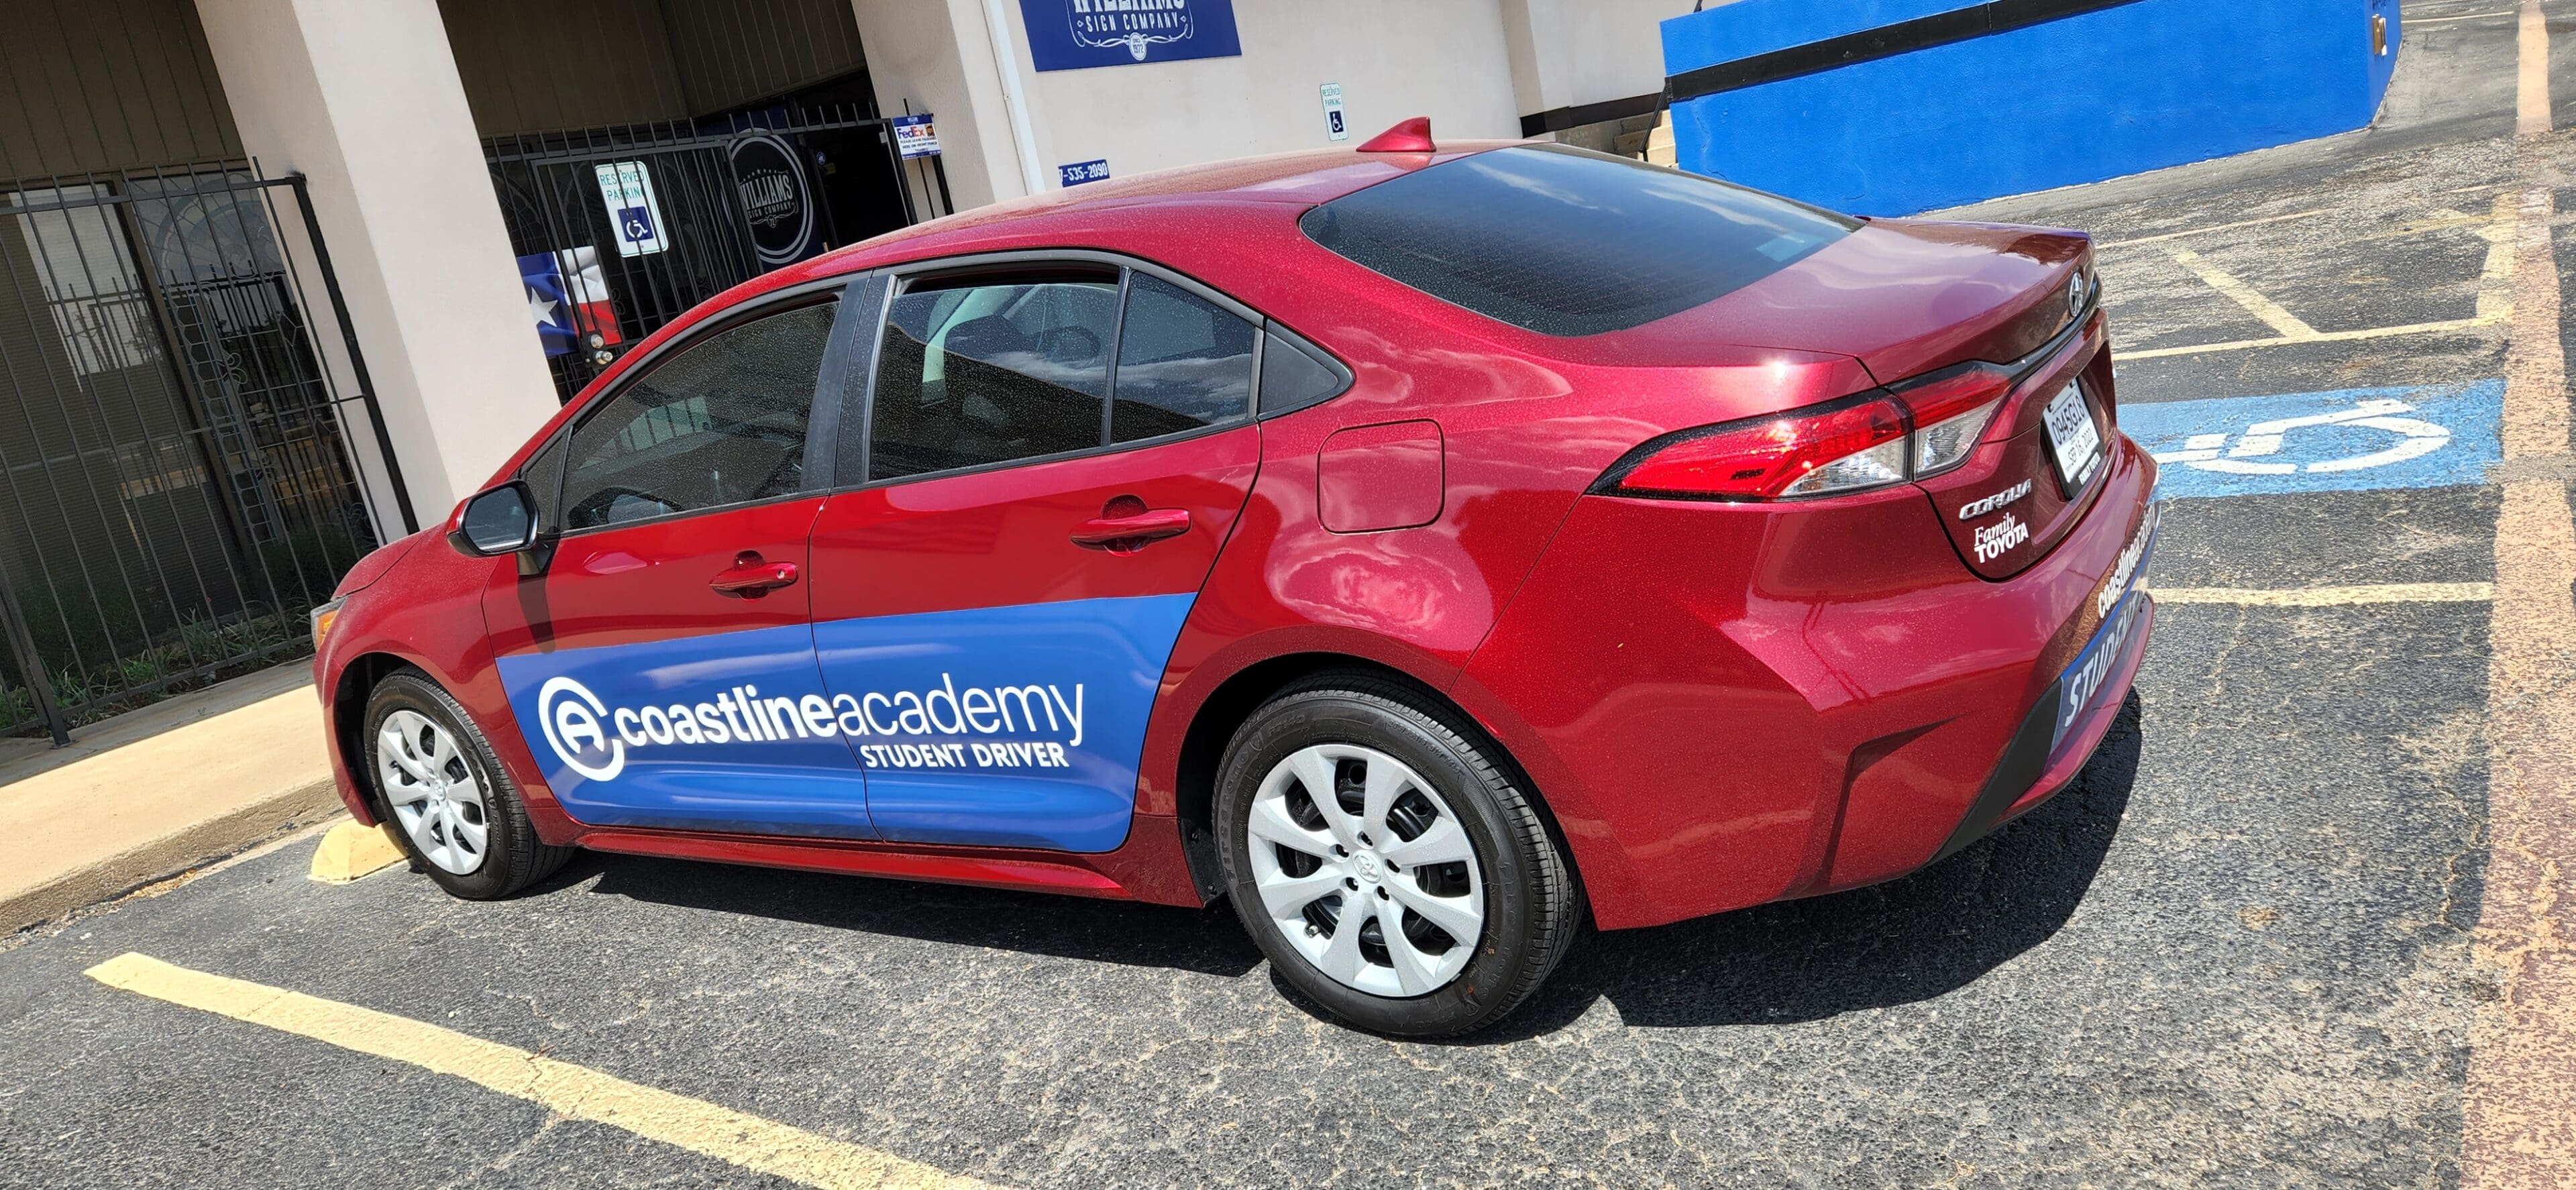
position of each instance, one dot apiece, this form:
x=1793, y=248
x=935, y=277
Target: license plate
x=2072, y=435
x=2081, y=684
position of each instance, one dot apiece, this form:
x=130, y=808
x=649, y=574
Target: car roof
x=1264, y=189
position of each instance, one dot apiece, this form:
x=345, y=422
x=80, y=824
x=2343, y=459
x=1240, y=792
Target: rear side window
x=722, y=422
x=976, y=374
x=1182, y=363
x=1292, y=379
x=1565, y=241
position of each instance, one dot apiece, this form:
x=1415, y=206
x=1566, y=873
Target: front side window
x=722, y=422
x=976, y=373
x=1565, y=241
x=1183, y=363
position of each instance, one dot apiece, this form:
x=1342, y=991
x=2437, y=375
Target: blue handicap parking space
x=2349, y=440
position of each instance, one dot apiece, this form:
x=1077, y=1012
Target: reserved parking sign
x=626, y=190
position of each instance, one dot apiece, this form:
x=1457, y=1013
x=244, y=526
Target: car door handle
x=751, y=578
x=1131, y=531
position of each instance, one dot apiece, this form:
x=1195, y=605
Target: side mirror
x=500, y=521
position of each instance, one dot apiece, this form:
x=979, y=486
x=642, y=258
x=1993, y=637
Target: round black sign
x=771, y=182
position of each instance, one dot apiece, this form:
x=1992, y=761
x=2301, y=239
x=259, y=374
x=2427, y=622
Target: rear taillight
x=1845, y=447
x=1853, y=445
x=1951, y=411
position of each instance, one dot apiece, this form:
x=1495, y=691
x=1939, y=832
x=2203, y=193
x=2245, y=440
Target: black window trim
x=852, y=475
x=823, y=418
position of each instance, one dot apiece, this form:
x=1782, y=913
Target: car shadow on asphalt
x=1895, y=943
x=1907, y=940
x=1206, y=941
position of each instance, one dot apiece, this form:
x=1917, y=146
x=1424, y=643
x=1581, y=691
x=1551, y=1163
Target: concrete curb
x=349, y=852
x=169, y=854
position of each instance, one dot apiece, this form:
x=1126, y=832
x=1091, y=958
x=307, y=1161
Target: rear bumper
x=1725, y=705
x=2030, y=772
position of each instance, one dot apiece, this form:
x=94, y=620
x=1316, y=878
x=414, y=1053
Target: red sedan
x=1422, y=547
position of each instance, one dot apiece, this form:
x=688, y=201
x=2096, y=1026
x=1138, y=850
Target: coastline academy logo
x=573, y=719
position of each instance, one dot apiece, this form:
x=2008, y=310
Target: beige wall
x=935, y=56
x=365, y=100
x=1567, y=53
x=1474, y=66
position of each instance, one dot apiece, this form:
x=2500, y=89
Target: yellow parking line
x=2332, y=596
x=2518, y=1107
x=577, y=1092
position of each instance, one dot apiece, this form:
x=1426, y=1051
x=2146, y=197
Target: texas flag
x=568, y=298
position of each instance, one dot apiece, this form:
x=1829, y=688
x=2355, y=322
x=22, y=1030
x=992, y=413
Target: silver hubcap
x=1366, y=870
x=435, y=796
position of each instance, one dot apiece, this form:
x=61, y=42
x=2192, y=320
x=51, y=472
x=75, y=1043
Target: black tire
x=1533, y=901
x=512, y=857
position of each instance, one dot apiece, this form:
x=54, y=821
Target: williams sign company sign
x=1074, y=34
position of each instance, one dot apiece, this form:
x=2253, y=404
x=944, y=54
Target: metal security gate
x=712, y=194
x=180, y=477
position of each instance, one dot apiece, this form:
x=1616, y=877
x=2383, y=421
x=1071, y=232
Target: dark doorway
x=621, y=229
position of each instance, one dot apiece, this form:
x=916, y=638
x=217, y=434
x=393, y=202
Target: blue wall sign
x=1082, y=171
x=1075, y=34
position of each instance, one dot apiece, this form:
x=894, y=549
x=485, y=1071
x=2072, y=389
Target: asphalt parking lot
x=2239, y=951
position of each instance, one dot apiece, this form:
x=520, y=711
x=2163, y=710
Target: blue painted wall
x=2126, y=89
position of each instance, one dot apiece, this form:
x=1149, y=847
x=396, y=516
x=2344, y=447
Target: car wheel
x=1387, y=862
x=448, y=798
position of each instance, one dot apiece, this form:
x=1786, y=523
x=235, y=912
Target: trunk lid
x=1904, y=296
x=1913, y=299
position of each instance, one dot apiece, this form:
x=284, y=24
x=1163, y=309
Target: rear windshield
x=1566, y=241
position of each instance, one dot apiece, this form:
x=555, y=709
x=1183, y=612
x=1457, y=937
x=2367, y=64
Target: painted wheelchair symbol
x=2415, y=439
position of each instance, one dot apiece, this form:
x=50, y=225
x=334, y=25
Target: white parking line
x=2271, y=312
x=2501, y=230
x=2376, y=332
x=2202, y=231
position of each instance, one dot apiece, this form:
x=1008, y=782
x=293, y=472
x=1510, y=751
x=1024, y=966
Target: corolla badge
x=1977, y=508
x=574, y=721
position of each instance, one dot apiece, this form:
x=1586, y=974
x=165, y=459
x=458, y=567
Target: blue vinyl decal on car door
x=1013, y=726
x=731, y=731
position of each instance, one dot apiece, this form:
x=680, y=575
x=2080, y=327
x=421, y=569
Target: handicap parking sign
x=634, y=211
x=2343, y=441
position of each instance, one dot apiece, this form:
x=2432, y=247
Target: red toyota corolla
x=1421, y=547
